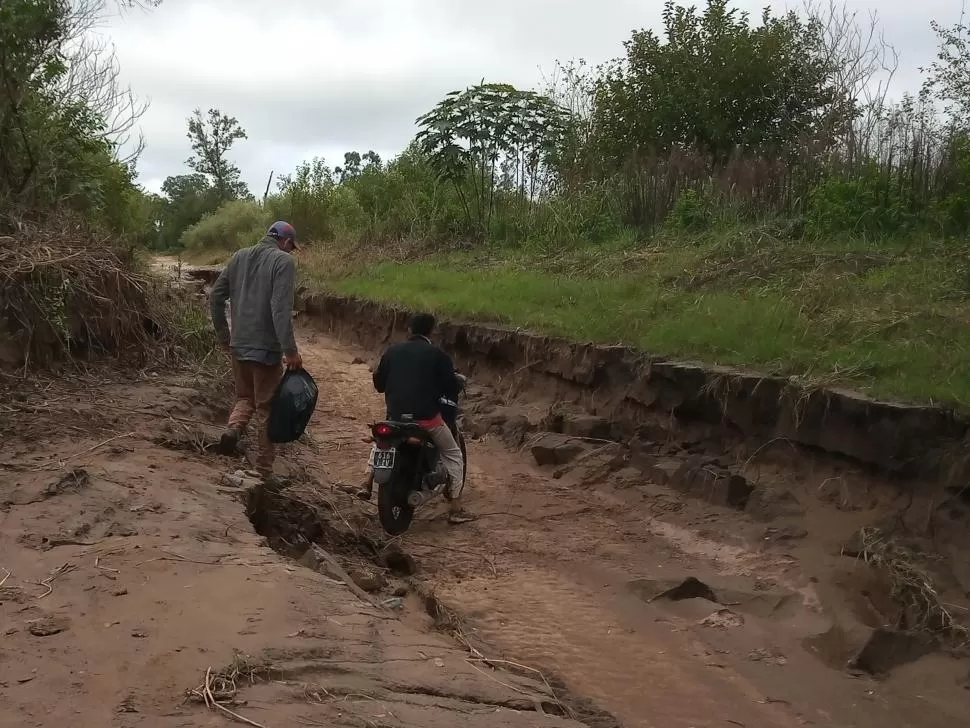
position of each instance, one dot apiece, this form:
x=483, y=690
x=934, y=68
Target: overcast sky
x=321, y=77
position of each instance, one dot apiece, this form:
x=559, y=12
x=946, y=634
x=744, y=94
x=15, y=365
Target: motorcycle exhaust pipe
x=417, y=498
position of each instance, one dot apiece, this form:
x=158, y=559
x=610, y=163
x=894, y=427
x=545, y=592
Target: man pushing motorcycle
x=415, y=376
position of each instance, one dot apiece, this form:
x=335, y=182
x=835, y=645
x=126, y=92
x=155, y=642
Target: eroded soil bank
x=637, y=392
x=646, y=605
x=850, y=489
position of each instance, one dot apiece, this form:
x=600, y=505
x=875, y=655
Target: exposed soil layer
x=637, y=392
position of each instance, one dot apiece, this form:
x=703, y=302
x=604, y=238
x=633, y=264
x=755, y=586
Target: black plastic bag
x=292, y=406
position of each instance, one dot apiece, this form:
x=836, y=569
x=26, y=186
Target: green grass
x=888, y=320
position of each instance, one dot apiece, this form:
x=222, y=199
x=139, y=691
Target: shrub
x=872, y=203
x=235, y=225
x=951, y=212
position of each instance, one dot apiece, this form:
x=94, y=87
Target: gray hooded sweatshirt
x=260, y=282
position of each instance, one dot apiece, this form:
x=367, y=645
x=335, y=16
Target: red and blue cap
x=282, y=231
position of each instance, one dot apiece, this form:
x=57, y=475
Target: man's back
x=413, y=376
x=260, y=287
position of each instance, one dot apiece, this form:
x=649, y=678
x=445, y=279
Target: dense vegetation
x=65, y=119
x=736, y=189
x=720, y=120
x=72, y=220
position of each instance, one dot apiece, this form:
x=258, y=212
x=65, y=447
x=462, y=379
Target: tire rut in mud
x=292, y=526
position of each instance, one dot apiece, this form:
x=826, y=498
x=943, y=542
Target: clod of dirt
x=128, y=705
x=515, y=430
x=12, y=594
x=73, y=480
x=848, y=644
x=661, y=472
x=723, y=619
x=700, y=476
x=369, y=580
x=314, y=560
x=761, y=601
x=48, y=626
x=785, y=533
x=200, y=440
x=554, y=449
x=723, y=488
x=768, y=504
x=770, y=656
x=242, y=479
x=584, y=425
x=887, y=649
x=398, y=561
x=689, y=588
x=120, y=529
x=484, y=419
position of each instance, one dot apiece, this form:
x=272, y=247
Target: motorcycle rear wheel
x=395, y=516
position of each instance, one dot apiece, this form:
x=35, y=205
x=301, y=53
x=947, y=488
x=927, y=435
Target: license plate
x=384, y=459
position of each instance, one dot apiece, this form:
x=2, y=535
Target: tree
x=372, y=160
x=355, y=164
x=572, y=86
x=57, y=142
x=351, y=167
x=715, y=83
x=471, y=135
x=949, y=75
x=187, y=199
x=212, y=136
x=304, y=199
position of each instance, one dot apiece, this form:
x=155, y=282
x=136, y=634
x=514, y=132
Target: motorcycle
x=406, y=466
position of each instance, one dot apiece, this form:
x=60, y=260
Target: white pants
x=450, y=455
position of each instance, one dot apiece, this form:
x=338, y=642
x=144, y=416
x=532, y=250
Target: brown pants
x=255, y=386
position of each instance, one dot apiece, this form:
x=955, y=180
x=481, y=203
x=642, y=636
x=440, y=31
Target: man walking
x=259, y=282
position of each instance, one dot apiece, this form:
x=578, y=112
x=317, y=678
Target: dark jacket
x=413, y=376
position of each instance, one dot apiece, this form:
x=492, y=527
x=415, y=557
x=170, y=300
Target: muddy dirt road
x=558, y=571
x=133, y=588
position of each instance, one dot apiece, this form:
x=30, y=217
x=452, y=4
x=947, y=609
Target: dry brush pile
x=68, y=295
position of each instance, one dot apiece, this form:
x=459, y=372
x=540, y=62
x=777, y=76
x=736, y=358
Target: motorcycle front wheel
x=393, y=511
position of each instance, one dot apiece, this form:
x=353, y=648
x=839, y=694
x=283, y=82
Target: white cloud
x=312, y=77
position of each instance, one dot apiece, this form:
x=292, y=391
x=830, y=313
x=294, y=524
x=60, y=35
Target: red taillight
x=382, y=430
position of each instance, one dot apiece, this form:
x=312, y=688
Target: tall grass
x=890, y=320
